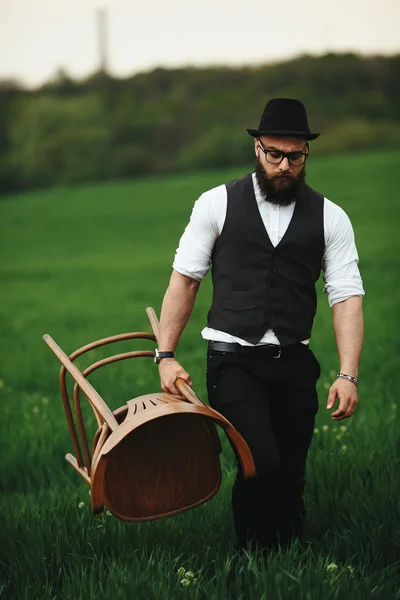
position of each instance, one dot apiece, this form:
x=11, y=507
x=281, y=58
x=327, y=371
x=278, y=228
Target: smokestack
x=102, y=39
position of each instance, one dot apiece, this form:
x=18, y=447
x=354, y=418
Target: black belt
x=265, y=350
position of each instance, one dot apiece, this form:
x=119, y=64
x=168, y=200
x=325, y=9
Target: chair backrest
x=101, y=411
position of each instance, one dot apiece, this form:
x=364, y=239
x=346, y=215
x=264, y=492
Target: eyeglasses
x=275, y=157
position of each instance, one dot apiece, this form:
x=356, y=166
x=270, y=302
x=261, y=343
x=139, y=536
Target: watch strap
x=160, y=355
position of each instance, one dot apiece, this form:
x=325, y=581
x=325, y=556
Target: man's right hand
x=170, y=370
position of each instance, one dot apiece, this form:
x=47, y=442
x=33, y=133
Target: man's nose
x=284, y=165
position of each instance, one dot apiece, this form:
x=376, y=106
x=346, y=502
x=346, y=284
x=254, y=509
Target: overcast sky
x=39, y=36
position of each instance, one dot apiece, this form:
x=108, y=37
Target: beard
x=279, y=189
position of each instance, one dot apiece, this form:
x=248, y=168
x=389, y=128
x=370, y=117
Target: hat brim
x=302, y=134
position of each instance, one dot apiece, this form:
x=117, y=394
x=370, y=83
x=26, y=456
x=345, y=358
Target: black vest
x=258, y=286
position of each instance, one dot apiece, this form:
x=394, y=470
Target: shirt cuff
x=196, y=274
x=334, y=298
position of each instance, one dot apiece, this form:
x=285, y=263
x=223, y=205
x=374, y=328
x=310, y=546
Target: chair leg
x=81, y=470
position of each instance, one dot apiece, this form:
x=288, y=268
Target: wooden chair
x=154, y=457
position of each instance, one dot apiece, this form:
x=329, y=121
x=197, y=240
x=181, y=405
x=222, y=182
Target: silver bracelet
x=348, y=377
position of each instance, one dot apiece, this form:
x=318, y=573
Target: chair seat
x=163, y=467
x=163, y=458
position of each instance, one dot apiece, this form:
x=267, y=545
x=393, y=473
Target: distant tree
x=11, y=93
x=217, y=147
x=60, y=141
x=189, y=118
x=61, y=84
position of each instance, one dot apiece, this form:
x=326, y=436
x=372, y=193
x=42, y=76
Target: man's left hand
x=346, y=392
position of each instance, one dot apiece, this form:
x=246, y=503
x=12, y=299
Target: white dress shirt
x=339, y=263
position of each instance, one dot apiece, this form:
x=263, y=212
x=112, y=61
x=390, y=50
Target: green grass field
x=83, y=263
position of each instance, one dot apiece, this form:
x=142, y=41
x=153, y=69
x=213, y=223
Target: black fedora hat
x=286, y=117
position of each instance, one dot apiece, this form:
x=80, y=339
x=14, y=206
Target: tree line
x=170, y=120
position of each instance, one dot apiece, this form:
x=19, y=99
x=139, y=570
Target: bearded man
x=266, y=237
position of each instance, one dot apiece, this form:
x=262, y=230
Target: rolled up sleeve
x=193, y=255
x=340, y=262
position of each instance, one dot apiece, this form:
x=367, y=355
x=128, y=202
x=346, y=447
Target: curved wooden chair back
x=154, y=457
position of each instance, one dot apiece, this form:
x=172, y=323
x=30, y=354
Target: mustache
x=285, y=176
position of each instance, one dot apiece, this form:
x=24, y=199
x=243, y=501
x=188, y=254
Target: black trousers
x=272, y=402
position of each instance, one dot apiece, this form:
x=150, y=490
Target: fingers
x=345, y=410
x=341, y=412
x=171, y=389
x=331, y=398
x=168, y=386
x=346, y=392
x=185, y=376
x=169, y=372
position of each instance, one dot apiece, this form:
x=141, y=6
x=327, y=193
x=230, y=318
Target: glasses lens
x=296, y=158
x=274, y=156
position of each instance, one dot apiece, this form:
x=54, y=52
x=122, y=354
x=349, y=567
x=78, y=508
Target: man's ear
x=256, y=148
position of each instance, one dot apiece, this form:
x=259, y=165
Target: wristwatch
x=160, y=355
